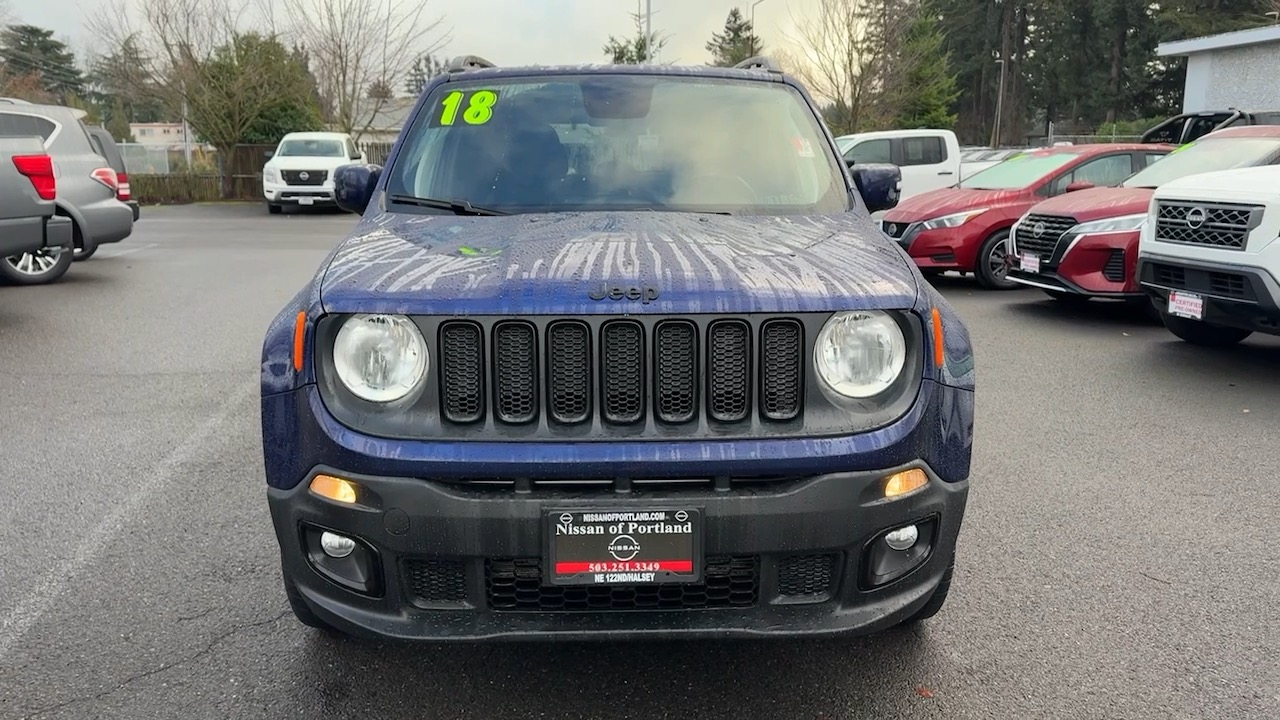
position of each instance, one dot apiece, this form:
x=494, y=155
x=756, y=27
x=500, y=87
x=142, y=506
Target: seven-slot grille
x=313, y=177
x=1221, y=225
x=621, y=371
x=1039, y=234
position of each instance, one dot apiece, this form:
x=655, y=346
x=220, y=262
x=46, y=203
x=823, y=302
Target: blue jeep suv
x=616, y=352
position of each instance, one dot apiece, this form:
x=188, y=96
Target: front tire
x=35, y=268
x=274, y=209
x=1203, y=334
x=992, y=265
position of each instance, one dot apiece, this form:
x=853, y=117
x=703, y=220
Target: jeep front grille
x=1219, y=225
x=1045, y=242
x=623, y=371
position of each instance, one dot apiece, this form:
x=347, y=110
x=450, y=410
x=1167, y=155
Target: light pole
x=753, y=26
x=995, y=132
x=648, y=30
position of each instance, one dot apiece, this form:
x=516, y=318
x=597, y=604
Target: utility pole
x=753, y=26
x=995, y=132
x=648, y=30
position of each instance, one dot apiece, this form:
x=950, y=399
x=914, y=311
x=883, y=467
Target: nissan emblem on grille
x=1196, y=217
x=1037, y=229
x=304, y=175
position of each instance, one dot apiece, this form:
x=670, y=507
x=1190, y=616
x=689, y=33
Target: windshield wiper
x=459, y=207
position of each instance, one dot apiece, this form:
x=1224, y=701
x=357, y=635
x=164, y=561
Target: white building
x=164, y=134
x=1238, y=70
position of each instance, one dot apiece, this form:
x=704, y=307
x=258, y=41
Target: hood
x=1248, y=181
x=670, y=262
x=947, y=201
x=1097, y=203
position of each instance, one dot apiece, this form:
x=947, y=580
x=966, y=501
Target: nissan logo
x=1196, y=217
x=303, y=175
x=1037, y=229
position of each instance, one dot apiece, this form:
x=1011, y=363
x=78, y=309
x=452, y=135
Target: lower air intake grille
x=806, y=576
x=435, y=582
x=516, y=585
x=1229, y=285
x=1114, y=269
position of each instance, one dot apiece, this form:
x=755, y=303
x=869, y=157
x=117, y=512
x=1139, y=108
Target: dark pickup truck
x=33, y=239
x=1187, y=127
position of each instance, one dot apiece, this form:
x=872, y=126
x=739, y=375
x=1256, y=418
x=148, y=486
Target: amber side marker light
x=299, y=339
x=335, y=489
x=938, y=357
x=905, y=482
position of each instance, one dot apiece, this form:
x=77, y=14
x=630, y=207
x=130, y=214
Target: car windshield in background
x=620, y=142
x=1017, y=172
x=1204, y=156
x=311, y=148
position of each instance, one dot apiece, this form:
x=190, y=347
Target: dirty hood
x=653, y=262
x=1097, y=203
x=948, y=201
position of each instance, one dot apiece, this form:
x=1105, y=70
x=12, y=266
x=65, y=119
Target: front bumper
x=941, y=249
x=281, y=194
x=1101, y=265
x=456, y=562
x=1237, y=296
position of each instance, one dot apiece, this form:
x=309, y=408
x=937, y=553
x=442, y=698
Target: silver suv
x=88, y=188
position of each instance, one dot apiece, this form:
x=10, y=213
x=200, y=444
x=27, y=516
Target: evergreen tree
x=929, y=83
x=737, y=43
x=27, y=50
x=424, y=68
x=634, y=51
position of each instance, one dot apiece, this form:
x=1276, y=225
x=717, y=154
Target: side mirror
x=355, y=156
x=353, y=186
x=1080, y=185
x=879, y=184
x=269, y=154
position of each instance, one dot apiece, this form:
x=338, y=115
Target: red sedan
x=1086, y=245
x=966, y=227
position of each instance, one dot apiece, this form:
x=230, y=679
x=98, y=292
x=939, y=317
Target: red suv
x=966, y=227
x=1085, y=245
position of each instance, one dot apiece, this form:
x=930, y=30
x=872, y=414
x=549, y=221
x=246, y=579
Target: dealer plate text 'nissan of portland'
x=616, y=351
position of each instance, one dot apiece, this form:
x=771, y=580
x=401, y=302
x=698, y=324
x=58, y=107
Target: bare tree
x=194, y=54
x=853, y=55
x=355, y=45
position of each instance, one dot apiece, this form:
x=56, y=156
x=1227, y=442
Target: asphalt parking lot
x=1117, y=558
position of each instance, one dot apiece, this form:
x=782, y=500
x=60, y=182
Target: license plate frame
x=1185, y=304
x=1029, y=262
x=306, y=201
x=622, y=553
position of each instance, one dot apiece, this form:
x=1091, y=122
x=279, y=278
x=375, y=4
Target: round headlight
x=380, y=358
x=860, y=354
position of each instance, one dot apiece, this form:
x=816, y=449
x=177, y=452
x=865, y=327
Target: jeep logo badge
x=1196, y=217
x=645, y=295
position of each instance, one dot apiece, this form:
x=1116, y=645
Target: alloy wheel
x=34, y=263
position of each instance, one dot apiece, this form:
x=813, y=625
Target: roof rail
x=760, y=62
x=15, y=101
x=463, y=63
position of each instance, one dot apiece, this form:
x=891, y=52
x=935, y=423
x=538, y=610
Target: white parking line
x=18, y=620
x=130, y=250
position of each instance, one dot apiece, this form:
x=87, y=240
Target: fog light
x=340, y=546
x=902, y=538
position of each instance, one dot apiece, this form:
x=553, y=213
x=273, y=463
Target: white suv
x=1209, y=255
x=300, y=171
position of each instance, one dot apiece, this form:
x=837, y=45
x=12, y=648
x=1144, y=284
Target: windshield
x=1206, y=155
x=620, y=142
x=311, y=148
x=1017, y=172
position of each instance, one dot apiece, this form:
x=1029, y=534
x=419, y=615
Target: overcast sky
x=511, y=32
